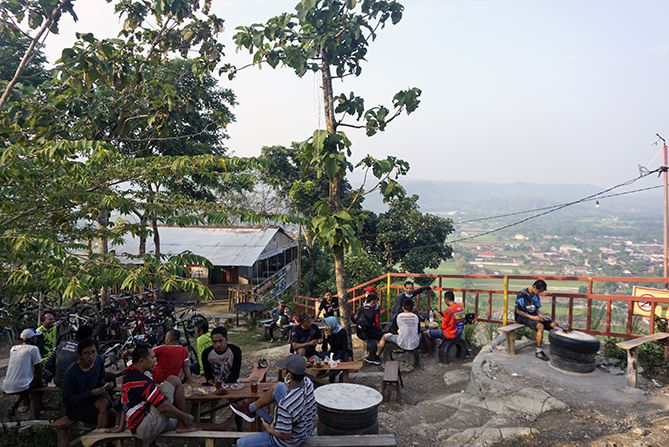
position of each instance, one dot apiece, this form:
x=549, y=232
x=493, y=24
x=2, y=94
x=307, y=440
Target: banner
x=643, y=308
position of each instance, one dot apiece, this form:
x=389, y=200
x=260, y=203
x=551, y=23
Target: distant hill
x=477, y=199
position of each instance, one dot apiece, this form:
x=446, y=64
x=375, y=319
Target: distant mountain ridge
x=487, y=198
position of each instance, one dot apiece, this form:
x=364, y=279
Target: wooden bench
x=631, y=347
x=391, y=378
x=509, y=332
x=35, y=397
x=210, y=437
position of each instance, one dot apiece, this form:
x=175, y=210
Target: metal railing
x=614, y=315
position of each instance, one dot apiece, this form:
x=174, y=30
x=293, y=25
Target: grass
x=250, y=341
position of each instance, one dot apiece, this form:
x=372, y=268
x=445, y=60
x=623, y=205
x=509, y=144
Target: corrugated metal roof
x=222, y=246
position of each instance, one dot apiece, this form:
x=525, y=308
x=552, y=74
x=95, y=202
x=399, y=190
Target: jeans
x=264, y=439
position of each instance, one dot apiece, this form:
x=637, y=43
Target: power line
x=517, y=213
x=558, y=207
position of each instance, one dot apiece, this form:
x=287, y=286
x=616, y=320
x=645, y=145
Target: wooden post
x=441, y=294
x=388, y=297
x=588, y=324
x=631, y=367
x=505, y=316
x=511, y=342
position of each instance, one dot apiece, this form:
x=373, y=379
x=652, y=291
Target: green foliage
x=407, y=238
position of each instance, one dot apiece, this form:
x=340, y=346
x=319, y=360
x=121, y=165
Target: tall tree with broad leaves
x=332, y=37
x=64, y=168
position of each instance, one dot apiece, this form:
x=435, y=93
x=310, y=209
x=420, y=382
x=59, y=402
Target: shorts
x=391, y=338
x=435, y=334
x=533, y=323
x=154, y=422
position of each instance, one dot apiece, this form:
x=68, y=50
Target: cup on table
x=188, y=390
x=254, y=386
x=218, y=384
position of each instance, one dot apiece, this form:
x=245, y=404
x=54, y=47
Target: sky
x=513, y=91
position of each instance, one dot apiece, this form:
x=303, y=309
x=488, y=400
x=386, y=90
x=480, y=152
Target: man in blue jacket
x=85, y=392
x=528, y=303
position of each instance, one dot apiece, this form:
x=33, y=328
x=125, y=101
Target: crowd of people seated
x=152, y=398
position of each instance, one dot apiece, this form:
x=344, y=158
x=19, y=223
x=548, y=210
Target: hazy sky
x=535, y=90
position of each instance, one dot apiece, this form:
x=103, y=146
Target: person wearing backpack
x=452, y=324
x=368, y=323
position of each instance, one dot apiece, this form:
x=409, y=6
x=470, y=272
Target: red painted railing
x=599, y=314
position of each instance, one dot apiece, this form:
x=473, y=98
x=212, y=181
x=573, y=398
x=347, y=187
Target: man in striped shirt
x=150, y=410
x=295, y=415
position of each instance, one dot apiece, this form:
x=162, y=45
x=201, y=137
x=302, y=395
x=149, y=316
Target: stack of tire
x=347, y=409
x=334, y=423
x=573, y=351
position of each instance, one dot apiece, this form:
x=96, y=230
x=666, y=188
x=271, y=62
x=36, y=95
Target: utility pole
x=666, y=209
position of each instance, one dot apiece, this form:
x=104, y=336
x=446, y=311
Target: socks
x=539, y=350
x=252, y=407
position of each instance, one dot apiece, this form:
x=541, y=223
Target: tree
x=414, y=240
x=63, y=169
x=332, y=37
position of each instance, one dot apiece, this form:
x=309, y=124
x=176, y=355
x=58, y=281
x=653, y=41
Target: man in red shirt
x=171, y=358
x=452, y=324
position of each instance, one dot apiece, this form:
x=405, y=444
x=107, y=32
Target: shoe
x=374, y=360
x=241, y=409
x=541, y=355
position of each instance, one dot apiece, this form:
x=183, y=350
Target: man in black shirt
x=63, y=356
x=329, y=306
x=222, y=361
x=85, y=394
x=305, y=336
x=368, y=323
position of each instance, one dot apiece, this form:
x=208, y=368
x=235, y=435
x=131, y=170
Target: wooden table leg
x=34, y=402
x=511, y=342
x=196, y=411
x=345, y=376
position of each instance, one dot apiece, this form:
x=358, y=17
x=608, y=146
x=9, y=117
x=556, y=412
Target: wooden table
x=344, y=367
x=232, y=395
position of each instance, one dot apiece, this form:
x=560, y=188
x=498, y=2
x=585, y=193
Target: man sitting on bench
x=64, y=356
x=222, y=360
x=150, y=410
x=368, y=323
x=528, y=303
x=85, y=394
x=295, y=415
x=408, y=333
x=24, y=370
x=281, y=320
x=305, y=336
x=452, y=324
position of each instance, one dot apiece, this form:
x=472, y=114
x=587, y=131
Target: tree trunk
x=103, y=222
x=142, y=235
x=156, y=236
x=335, y=200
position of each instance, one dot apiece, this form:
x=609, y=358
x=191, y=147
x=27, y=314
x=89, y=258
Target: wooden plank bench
x=35, y=398
x=631, y=347
x=210, y=437
x=392, y=378
x=509, y=332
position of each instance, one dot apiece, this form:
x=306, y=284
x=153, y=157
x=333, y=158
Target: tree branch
x=30, y=52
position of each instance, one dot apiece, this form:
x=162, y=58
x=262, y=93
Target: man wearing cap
x=24, y=368
x=305, y=336
x=368, y=322
x=295, y=415
x=329, y=306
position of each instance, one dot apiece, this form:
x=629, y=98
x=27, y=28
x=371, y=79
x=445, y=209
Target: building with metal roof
x=240, y=255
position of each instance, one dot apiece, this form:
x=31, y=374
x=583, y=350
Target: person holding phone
x=85, y=392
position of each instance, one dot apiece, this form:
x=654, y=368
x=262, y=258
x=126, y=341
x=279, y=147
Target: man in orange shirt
x=452, y=324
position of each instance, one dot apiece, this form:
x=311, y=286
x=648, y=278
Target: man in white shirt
x=408, y=333
x=24, y=368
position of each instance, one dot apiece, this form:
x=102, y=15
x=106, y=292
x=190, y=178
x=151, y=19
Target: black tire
x=325, y=430
x=450, y=350
x=571, y=355
x=348, y=421
x=567, y=343
x=571, y=365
